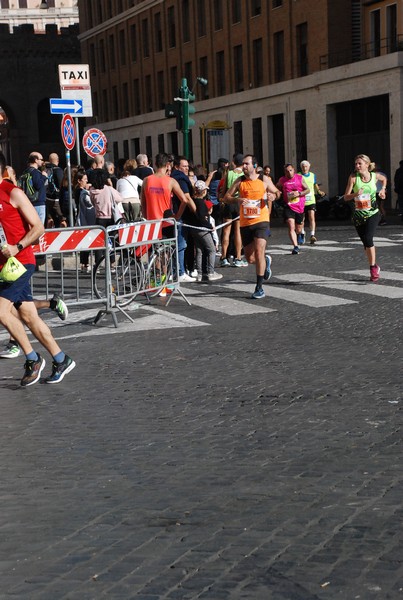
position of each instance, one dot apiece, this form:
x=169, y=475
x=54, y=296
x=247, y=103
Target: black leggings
x=366, y=231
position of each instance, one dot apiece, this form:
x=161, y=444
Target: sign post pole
x=69, y=139
x=71, y=216
x=78, y=142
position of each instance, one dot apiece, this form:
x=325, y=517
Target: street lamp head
x=202, y=81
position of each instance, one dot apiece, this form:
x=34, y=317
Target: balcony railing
x=370, y=50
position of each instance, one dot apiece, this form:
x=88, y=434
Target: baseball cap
x=200, y=185
x=209, y=204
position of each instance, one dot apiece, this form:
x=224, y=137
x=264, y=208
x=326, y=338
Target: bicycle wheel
x=129, y=280
x=99, y=278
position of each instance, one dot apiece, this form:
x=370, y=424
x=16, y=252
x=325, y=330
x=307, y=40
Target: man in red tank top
x=20, y=227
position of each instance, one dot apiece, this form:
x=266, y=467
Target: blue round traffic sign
x=68, y=132
x=94, y=142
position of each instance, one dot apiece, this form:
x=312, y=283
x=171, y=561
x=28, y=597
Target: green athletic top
x=365, y=204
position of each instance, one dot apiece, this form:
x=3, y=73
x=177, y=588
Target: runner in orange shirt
x=254, y=195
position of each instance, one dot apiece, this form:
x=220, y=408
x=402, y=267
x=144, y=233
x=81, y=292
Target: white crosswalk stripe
x=365, y=287
x=224, y=304
x=310, y=299
x=385, y=275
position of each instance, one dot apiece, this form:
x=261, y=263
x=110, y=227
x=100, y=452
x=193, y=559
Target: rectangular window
x=203, y=70
x=201, y=19
x=391, y=27
x=279, y=71
x=122, y=46
x=171, y=27
x=220, y=73
x=173, y=146
x=255, y=8
x=238, y=68
x=146, y=44
x=236, y=11
x=102, y=65
x=125, y=100
x=149, y=147
x=136, y=97
x=302, y=49
x=189, y=73
x=160, y=89
x=277, y=3
x=115, y=151
x=218, y=15
x=173, y=75
x=157, y=32
x=126, y=149
x=105, y=105
x=257, y=62
x=133, y=42
x=185, y=21
x=93, y=64
x=6, y=4
x=112, y=59
x=375, y=32
x=161, y=143
x=300, y=135
x=148, y=94
x=238, y=137
x=115, y=104
x=135, y=146
x=257, y=139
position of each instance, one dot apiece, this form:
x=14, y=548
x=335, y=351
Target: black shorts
x=230, y=211
x=310, y=207
x=259, y=230
x=291, y=214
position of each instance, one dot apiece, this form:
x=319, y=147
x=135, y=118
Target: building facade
x=285, y=82
x=38, y=13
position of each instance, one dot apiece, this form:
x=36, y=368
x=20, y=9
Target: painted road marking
x=220, y=303
x=366, y=287
x=310, y=299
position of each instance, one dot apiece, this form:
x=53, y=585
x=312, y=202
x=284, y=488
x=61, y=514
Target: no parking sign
x=94, y=142
x=68, y=132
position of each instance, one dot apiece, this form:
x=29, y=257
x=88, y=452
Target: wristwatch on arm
x=20, y=246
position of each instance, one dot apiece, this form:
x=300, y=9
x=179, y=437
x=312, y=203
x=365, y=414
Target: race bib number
x=308, y=198
x=291, y=198
x=363, y=202
x=251, y=209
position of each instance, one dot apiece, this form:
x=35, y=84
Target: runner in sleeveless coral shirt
x=254, y=194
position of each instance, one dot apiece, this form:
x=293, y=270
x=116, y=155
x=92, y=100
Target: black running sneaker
x=59, y=370
x=33, y=370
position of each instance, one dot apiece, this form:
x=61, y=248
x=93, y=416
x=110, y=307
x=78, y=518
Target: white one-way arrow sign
x=64, y=106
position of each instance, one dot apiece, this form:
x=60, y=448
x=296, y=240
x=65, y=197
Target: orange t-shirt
x=255, y=210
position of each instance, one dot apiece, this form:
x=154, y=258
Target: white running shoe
x=185, y=278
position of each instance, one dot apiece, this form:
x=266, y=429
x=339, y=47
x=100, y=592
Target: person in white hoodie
x=128, y=186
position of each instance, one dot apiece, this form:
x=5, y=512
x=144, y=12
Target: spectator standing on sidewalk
x=21, y=227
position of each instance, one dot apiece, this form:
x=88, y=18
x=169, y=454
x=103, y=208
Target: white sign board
x=75, y=85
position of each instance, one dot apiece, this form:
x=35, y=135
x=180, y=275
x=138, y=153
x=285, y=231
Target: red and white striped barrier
x=140, y=232
x=65, y=240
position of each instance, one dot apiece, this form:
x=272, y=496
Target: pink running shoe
x=374, y=273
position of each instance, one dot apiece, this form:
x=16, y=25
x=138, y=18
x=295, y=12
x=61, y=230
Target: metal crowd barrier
x=127, y=262
x=142, y=264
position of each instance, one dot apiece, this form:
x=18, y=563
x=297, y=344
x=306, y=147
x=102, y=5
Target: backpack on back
x=25, y=182
x=52, y=191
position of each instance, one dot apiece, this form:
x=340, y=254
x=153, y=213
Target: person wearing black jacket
x=203, y=240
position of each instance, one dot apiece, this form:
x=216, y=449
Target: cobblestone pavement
x=253, y=457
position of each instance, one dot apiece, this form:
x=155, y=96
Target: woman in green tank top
x=361, y=188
